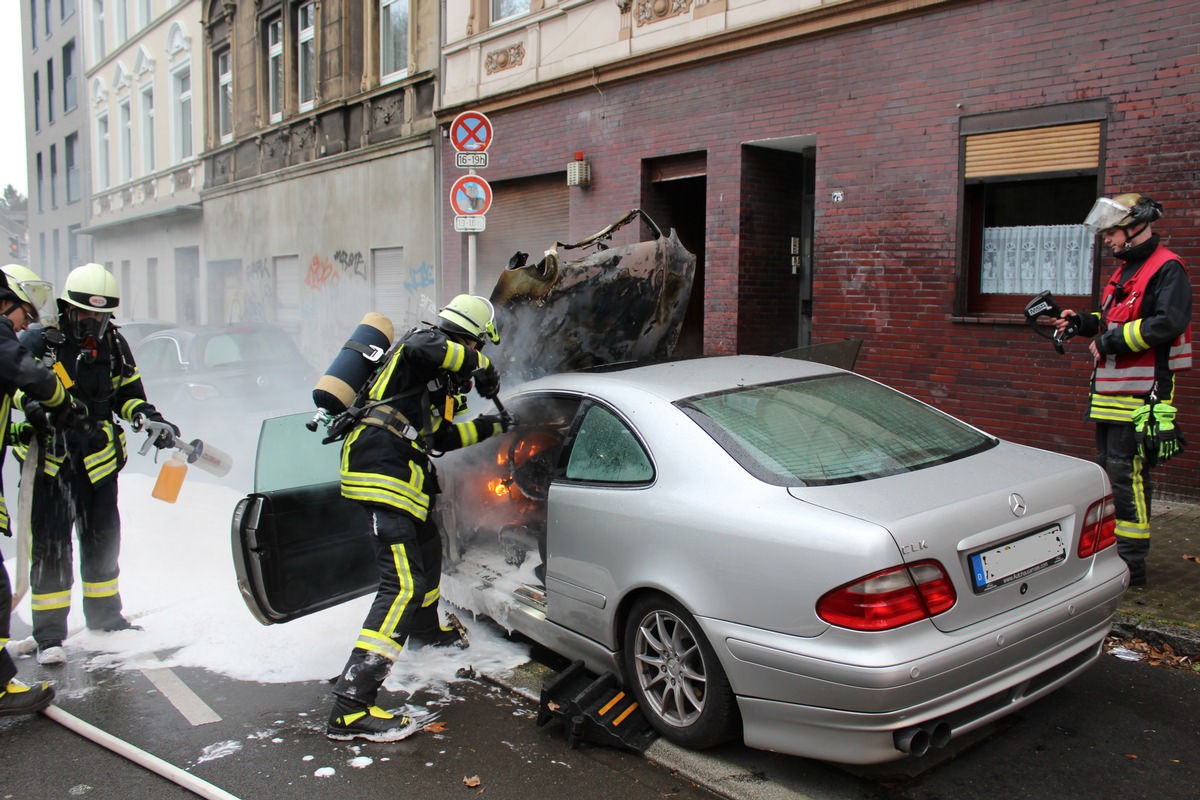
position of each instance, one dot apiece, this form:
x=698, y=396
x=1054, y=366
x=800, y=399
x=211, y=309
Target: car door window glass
x=605, y=450
x=221, y=350
x=291, y=456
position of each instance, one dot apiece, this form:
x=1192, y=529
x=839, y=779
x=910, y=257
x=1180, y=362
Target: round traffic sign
x=471, y=132
x=470, y=196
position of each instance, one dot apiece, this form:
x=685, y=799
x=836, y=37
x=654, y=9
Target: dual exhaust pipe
x=917, y=740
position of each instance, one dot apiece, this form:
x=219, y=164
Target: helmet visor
x=1106, y=213
x=39, y=294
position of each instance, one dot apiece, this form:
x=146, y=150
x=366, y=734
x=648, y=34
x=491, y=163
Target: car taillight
x=1099, y=528
x=889, y=598
x=202, y=391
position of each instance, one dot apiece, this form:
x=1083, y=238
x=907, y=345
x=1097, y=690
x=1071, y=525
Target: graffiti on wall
x=258, y=293
x=338, y=292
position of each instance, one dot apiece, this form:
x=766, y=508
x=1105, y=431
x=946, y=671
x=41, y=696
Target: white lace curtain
x=1028, y=259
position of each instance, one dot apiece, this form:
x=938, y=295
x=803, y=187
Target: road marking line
x=195, y=710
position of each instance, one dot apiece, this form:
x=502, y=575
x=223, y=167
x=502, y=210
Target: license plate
x=1019, y=559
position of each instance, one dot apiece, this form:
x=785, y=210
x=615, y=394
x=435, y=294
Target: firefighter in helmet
x=76, y=483
x=22, y=294
x=1141, y=337
x=386, y=467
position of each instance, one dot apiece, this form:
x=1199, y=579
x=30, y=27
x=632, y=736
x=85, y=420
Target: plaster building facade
x=321, y=163
x=905, y=173
x=144, y=60
x=56, y=136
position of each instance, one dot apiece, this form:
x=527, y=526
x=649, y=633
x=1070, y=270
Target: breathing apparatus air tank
x=354, y=364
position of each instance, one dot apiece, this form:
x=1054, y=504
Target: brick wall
x=884, y=103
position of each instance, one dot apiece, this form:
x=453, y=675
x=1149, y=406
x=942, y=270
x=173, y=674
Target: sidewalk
x=1167, y=609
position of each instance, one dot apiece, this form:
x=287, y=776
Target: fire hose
x=187, y=780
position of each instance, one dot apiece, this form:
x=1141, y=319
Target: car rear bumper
x=794, y=699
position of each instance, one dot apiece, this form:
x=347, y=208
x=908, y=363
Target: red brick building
x=894, y=148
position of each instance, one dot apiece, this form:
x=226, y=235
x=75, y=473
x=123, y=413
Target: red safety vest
x=1133, y=373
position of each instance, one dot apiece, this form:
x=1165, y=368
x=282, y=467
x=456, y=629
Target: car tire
x=676, y=676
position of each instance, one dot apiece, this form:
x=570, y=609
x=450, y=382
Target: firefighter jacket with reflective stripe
x=1145, y=334
x=20, y=371
x=385, y=458
x=107, y=380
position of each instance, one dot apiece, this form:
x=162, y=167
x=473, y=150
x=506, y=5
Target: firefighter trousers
x=60, y=502
x=409, y=556
x=1116, y=452
x=8, y=670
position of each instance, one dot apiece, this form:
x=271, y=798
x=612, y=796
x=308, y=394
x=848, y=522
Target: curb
x=1183, y=640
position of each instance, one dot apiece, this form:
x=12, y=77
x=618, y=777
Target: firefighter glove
x=22, y=433
x=70, y=415
x=492, y=423
x=166, y=436
x=37, y=415
x=487, y=381
x=1158, y=437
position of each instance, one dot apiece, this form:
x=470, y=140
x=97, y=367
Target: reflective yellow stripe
x=375, y=642
x=381, y=383
x=431, y=597
x=1132, y=334
x=405, y=595
x=131, y=407
x=50, y=602
x=456, y=356
x=103, y=589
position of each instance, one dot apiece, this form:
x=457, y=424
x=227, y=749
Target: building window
x=306, y=54
x=102, y=173
x=275, y=69
x=393, y=45
x=147, y=133
x=33, y=23
x=41, y=187
x=46, y=16
x=73, y=244
x=37, y=102
x=126, y=140
x=121, y=22
x=145, y=14
x=71, y=154
x=182, y=114
x=152, y=287
x=98, y=37
x=1025, y=194
x=504, y=9
x=50, y=90
x=67, y=7
x=225, y=96
x=68, y=65
x=53, y=176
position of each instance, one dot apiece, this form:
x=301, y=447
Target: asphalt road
x=1123, y=730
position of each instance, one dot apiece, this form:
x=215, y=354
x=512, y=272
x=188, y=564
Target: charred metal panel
x=619, y=304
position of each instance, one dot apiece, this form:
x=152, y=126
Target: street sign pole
x=471, y=134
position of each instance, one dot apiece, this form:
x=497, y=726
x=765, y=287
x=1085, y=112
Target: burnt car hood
x=951, y=512
x=623, y=303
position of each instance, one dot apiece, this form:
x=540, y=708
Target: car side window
x=159, y=357
x=606, y=451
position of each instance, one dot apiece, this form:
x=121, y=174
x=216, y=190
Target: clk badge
x=1017, y=504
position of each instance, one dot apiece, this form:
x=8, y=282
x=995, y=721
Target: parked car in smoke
x=226, y=378
x=137, y=329
x=755, y=546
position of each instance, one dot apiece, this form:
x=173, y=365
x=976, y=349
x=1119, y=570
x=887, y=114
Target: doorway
x=675, y=197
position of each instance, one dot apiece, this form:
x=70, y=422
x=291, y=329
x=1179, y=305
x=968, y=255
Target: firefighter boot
x=428, y=632
x=351, y=720
x=17, y=698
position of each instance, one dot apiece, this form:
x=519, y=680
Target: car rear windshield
x=251, y=344
x=830, y=429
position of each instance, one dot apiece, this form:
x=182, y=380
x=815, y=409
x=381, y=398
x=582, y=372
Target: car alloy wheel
x=676, y=675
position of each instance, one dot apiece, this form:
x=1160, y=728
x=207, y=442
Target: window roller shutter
x=1021, y=152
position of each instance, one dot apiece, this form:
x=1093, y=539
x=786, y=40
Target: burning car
x=760, y=547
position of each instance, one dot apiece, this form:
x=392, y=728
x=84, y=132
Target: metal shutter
x=530, y=215
x=394, y=299
x=287, y=294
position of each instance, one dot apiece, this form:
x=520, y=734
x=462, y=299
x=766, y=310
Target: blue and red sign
x=470, y=196
x=471, y=132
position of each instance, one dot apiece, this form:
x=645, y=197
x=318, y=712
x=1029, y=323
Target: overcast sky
x=12, y=99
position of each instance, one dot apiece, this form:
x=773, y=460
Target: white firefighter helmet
x=24, y=284
x=93, y=288
x=1122, y=211
x=471, y=316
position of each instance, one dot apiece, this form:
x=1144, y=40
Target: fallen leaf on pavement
x=472, y=781
x=1129, y=755
x=436, y=727
x=1192, y=558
